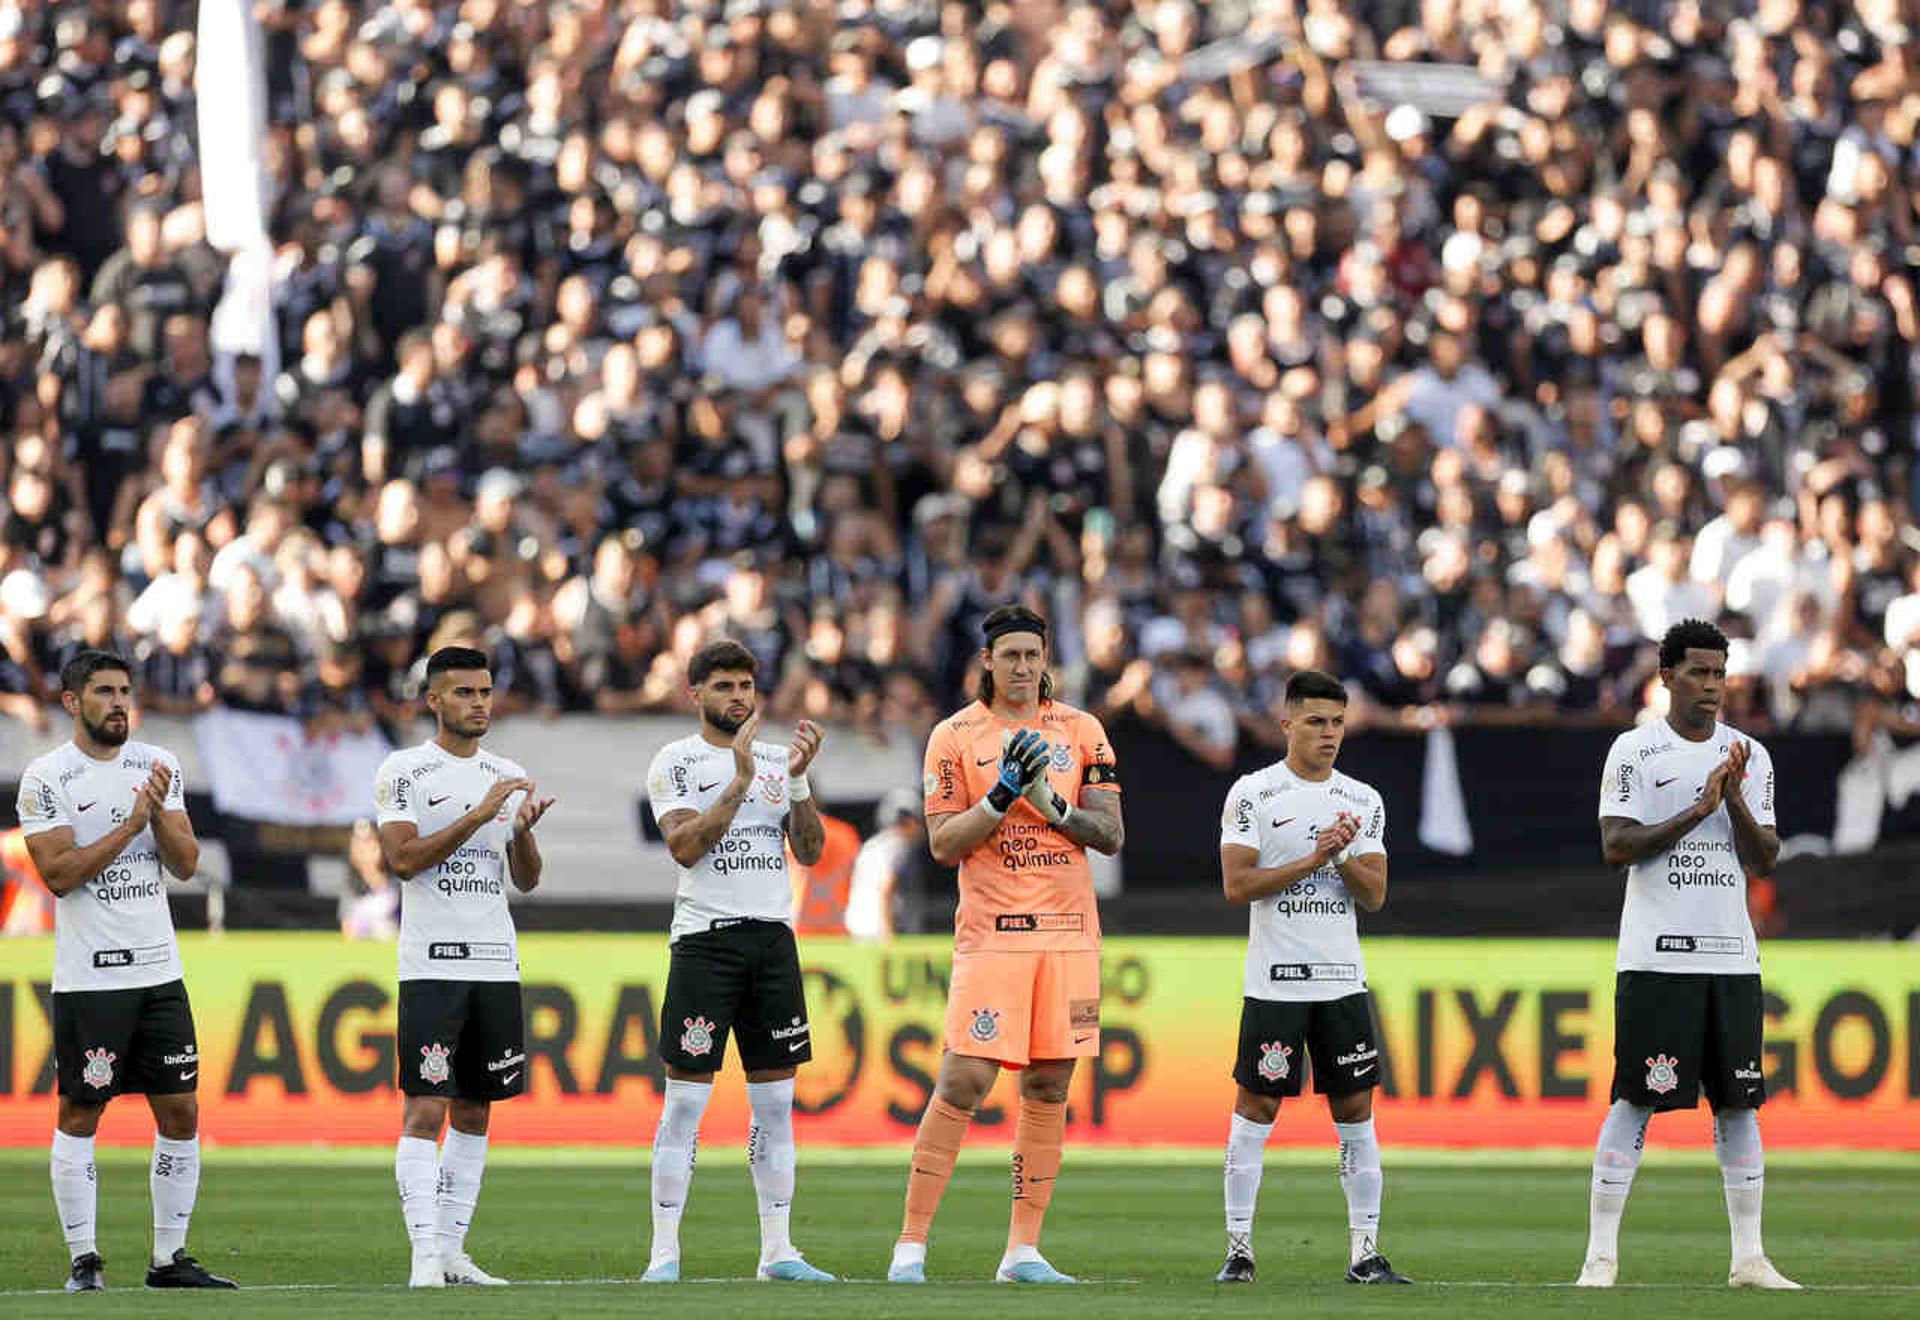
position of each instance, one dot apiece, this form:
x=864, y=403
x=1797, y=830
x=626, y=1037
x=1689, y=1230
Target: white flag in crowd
x=265, y=768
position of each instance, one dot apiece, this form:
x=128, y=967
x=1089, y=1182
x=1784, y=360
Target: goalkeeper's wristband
x=999, y=800
x=1061, y=809
x=798, y=789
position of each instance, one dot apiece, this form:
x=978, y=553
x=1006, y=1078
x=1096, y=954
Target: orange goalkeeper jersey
x=1027, y=886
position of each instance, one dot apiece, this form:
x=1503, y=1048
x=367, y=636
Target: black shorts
x=1675, y=1033
x=106, y=1042
x=742, y=977
x=462, y=1039
x=1277, y=1037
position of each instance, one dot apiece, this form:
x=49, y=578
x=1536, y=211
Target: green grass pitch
x=1503, y=1232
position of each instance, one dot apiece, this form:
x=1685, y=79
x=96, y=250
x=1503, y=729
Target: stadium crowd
x=609, y=325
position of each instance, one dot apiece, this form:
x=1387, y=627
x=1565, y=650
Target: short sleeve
x=1099, y=769
x=1238, y=823
x=40, y=806
x=1622, y=786
x=943, y=783
x=1372, y=838
x=669, y=786
x=393, y=793
x=1758, y=790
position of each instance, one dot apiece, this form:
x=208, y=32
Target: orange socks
x=935, y=1148
x=1036, y=1163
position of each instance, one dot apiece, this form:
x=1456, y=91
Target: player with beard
x=452, y=834
x=729, y=806
x=1686, y=805
x=105, y=820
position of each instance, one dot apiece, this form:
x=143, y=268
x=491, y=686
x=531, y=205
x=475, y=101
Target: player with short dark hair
x=1018, y=786
x=1302, y=844
x=729, y=806
x=1686, y=805
x=452, y=833
x=105, y=820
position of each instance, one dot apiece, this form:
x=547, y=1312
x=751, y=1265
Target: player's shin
x=771, y=1157
x=416, y=1168
x=1037, y=1138
x=675, y=1144
x=1736, y=1144
x=463, y=1163
x=936, y=1147
x=1246, y=1161
x=1616, y=1158
x=73, y=1190
x=174, y=1180
x=1360, y=1179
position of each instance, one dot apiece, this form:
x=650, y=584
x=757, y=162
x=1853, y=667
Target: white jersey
x=1686, y=909
x=744, y=875
x=454, y=922
x=114, y=932
x=1302, y=944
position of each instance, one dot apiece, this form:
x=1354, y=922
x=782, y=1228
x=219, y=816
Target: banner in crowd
x=1492, y=1043
x=267, y=768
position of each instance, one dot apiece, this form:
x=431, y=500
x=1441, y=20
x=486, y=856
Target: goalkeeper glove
x=1052, y=807
x=1022, y=760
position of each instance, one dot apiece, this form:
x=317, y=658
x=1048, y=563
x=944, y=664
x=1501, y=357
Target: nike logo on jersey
x=88, y=806
x=708, y=788
x=989, y=761
x=1362, y=1072
x=1082, y=1040
x=508, y=1079
x=794, y=1046
x=189, y=1076
x=1662, y=783
x=1288, y=821
x=436, y=801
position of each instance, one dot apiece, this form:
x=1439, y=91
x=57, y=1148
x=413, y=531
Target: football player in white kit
x=105, y=820
x=1686, y=805
x=1301, y=844
x=729, y=806
x=452, y=831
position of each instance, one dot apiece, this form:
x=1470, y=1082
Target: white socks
x=1246, y=1160
x=675, y=1143
x=1615, y=1160
x=1736, y=1144
x=416, y=1167
x=175, y=1183
x=771, y=1157
x=463, y=1161
x=1360, y=1179
x=73, y=1190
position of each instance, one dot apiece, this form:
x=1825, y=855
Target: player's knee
x=1047, y=1087
x=423, y=1116
x=963, y=1082
x=1257, y=1108
x=470, y=1116
x=1355, y=1108
x=175, y=1117
x=77, y=1119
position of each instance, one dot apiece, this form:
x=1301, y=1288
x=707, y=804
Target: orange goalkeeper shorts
x=1016, y=1006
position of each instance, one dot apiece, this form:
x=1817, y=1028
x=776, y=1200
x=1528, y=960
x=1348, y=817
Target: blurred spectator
x=602, y=330
x=370, y=901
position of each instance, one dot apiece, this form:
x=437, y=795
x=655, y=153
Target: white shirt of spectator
x=454, y=922
x=1435, y=402
x=1658, y=604
x=1902, y=626
x=115, y=932
x=748, y=362
x=744, y=875
x=168, y=599
x=1203, y=711
x=1302, y=943
x=1717, y=550
x=1686, y=909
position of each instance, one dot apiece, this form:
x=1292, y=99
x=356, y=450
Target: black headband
x=1017, y=623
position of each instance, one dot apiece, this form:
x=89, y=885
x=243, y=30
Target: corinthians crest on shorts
x=99, y=1070
x=1275, y=1061
x=697, y=1039
x=433, y=1064
x=1661, y=1077
x=986, y=1024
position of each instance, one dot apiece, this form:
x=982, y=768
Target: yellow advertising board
x=1485, y=1043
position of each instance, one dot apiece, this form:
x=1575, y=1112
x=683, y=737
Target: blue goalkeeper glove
x=1022, y=761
